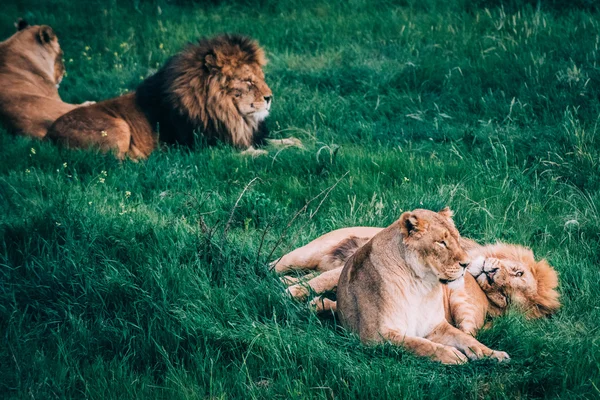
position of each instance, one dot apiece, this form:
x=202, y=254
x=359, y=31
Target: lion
x=31, y=69
x=392, y=289
x=500, y=275
x=212, y=91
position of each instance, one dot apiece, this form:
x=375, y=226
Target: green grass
x=111, y=287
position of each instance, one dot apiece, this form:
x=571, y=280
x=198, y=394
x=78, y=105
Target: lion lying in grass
x=31, y=68
x=500, y=275
x=392, y=289
x=213, y=90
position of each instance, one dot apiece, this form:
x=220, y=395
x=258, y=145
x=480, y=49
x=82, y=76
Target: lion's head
x=39, y=44
x=215, y=87
x=432, y=241
x=509, y=274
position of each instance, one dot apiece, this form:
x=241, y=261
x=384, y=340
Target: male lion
x=392, y=289
x=214, y=89
x=31, y=68
x=500, y=274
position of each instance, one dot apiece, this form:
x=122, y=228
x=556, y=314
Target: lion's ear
x=446, y=212
x=21, y=24
x=411, y=225
x=211, y=62
x=46, y=34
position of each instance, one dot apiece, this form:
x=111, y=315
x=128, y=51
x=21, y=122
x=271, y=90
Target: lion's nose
x=491, y=272
x=464, y=264
x=268, y=99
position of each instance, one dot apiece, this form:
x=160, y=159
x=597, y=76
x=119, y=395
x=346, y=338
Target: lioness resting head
x=392, y=288
x=31, y=68
x=213, y=90
x=506, y=275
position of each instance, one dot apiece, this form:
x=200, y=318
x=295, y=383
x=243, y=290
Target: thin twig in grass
x=300, y=211
x=234, y=208
x=199, y=203
x=262, y=241
x=198, y=207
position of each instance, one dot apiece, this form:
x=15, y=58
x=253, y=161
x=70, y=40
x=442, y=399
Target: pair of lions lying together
x=213, y=90
x=418, y=284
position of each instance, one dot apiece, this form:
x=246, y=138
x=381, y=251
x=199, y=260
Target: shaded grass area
x=144, y=280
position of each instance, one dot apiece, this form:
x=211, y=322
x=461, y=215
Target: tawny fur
x=211, y=91
x=31, y=69
x=466, y=307
x=391, y=289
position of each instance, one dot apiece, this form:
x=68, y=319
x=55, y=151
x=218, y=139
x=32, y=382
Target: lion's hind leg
x=82, y=129
x=304, y=258
x=325, y=253
x=327, y=281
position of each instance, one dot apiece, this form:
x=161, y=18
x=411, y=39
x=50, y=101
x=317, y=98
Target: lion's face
x=432, y=241
x=509, y=274
x=250, y=94
x=219, y=86
x=36, y=37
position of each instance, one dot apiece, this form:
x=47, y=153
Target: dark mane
x=176, y=98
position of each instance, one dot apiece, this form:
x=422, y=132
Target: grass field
x=123, y=280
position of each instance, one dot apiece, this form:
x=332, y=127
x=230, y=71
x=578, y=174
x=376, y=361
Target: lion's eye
x=237, y=94
x=519, y=274
x=442, y=244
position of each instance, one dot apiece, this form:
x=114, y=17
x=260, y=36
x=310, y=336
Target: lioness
x=500, y=274
x=31, y=68
x=392, y=288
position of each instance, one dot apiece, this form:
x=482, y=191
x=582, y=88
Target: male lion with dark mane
x=211, y=91
x=31, y=68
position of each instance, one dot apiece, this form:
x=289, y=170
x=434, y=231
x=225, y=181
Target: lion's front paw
x=298, y=292
x=289, y=280
x=323, y=304
x=287, y=142
x=500, y=356
x=479, y=352
x=254, y=152
x=292, y=141
x=449, y=355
